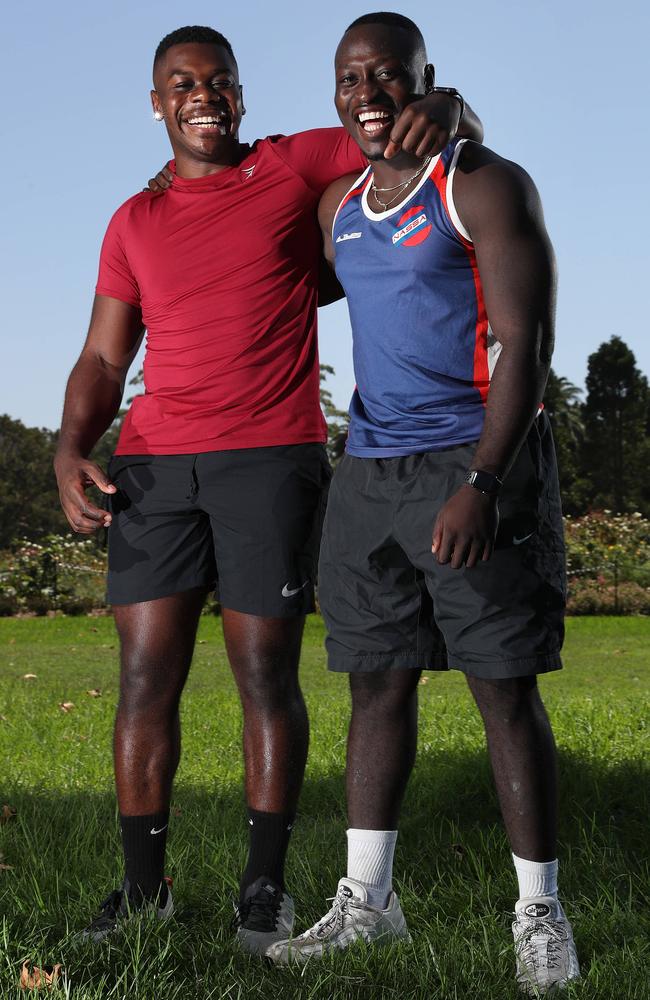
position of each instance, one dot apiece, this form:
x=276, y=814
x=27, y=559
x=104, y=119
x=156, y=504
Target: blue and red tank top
x=423, y=350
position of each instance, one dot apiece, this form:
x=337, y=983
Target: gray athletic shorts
x=246, y=522
x=387, y=602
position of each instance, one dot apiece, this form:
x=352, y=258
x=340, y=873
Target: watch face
x=484, y=481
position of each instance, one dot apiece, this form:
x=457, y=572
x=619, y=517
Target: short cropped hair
x=193, y=33
x=391, y=20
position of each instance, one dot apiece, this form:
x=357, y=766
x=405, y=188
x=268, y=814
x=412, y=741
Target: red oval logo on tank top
x=413, y=227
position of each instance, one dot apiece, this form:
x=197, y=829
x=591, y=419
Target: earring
x=158, y=116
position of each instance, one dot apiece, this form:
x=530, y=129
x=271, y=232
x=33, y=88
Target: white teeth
x=206, y=120
x=366, y=116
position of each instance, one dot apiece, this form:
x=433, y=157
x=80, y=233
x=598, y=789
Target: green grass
x=453, y=870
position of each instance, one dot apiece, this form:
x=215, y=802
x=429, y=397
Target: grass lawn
x=453, y=870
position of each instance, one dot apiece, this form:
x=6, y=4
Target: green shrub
x=616, y=546
x=591, y=597
x=59, y=574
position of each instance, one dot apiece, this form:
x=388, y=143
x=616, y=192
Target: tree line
x=602, y=440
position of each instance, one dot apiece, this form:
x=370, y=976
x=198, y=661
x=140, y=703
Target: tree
x=29, y=500
x=616, y=453
x=337, y=420
x=564, y=408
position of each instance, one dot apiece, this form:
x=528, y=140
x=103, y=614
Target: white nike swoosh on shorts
x=291, y=593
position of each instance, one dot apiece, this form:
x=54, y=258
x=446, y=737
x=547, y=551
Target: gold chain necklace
x=402, y=186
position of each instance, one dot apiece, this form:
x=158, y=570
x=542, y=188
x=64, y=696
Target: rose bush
x=608, y=563
x=58, y=574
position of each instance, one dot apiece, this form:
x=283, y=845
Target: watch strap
x=484, y=482
x=452, y=92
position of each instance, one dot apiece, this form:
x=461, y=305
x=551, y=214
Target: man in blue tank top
x=442, y=545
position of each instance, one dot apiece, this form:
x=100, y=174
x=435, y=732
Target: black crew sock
x=269, y=840
x=144, y=839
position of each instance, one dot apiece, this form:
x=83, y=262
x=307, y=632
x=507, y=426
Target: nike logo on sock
x=153, y=830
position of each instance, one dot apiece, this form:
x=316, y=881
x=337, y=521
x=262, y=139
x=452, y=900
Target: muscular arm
x=427, y=124
x=500, y=207
x=327, y=210
x=424, y=128
x=329, y=289
x=92, y=401
x=470, y=126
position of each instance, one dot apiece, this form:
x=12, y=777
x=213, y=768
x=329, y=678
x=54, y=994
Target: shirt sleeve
x=116, y=279
x=321, y=156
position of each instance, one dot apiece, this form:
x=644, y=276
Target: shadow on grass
x=450, y=812
x=452, y=868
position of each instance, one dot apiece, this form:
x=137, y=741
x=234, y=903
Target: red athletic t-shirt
x=224, y=269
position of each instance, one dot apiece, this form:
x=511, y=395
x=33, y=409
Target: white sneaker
x=350, y=919
x=544, y=946
x=265, y=916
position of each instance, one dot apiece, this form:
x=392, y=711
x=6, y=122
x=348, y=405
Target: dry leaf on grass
x=94, y=693
x=7, y=813
x=66, y=706
x=3, y=718
x=6, y=868
x=33, y=978
x=424, y=680
x=30, y=677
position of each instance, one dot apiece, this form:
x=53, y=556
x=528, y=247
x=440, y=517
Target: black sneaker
x=265, y=916
x=118, y=907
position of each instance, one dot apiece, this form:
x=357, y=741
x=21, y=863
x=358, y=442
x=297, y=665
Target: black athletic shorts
x=245, y=521
x=388, y=603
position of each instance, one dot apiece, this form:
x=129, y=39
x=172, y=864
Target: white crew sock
x=536, y=878
x=370, y=861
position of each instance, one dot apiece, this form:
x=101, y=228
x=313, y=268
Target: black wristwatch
x=452, y=93
x=484, y=482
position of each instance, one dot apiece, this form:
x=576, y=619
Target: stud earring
x=158, y=116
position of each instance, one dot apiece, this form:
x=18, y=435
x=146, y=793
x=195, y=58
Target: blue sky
x=561, y=88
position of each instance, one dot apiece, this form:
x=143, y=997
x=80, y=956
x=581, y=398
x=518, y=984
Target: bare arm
x=327, y=207
x=424, y=128
x=92, y=400
x=329, y=288
x=470, y=126
x=427, y=124
x=500, y=207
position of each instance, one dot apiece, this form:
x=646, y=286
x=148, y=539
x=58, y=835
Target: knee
x=506, y=702
x=143, y=688
x=270, y=686
x=385, y=693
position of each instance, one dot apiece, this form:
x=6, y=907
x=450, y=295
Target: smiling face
x=379, y=70
x=199, y=96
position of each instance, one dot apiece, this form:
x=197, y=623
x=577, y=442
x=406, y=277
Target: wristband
x=452, y=92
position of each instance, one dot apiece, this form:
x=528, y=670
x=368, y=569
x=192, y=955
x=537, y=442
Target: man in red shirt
x=220, y=470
